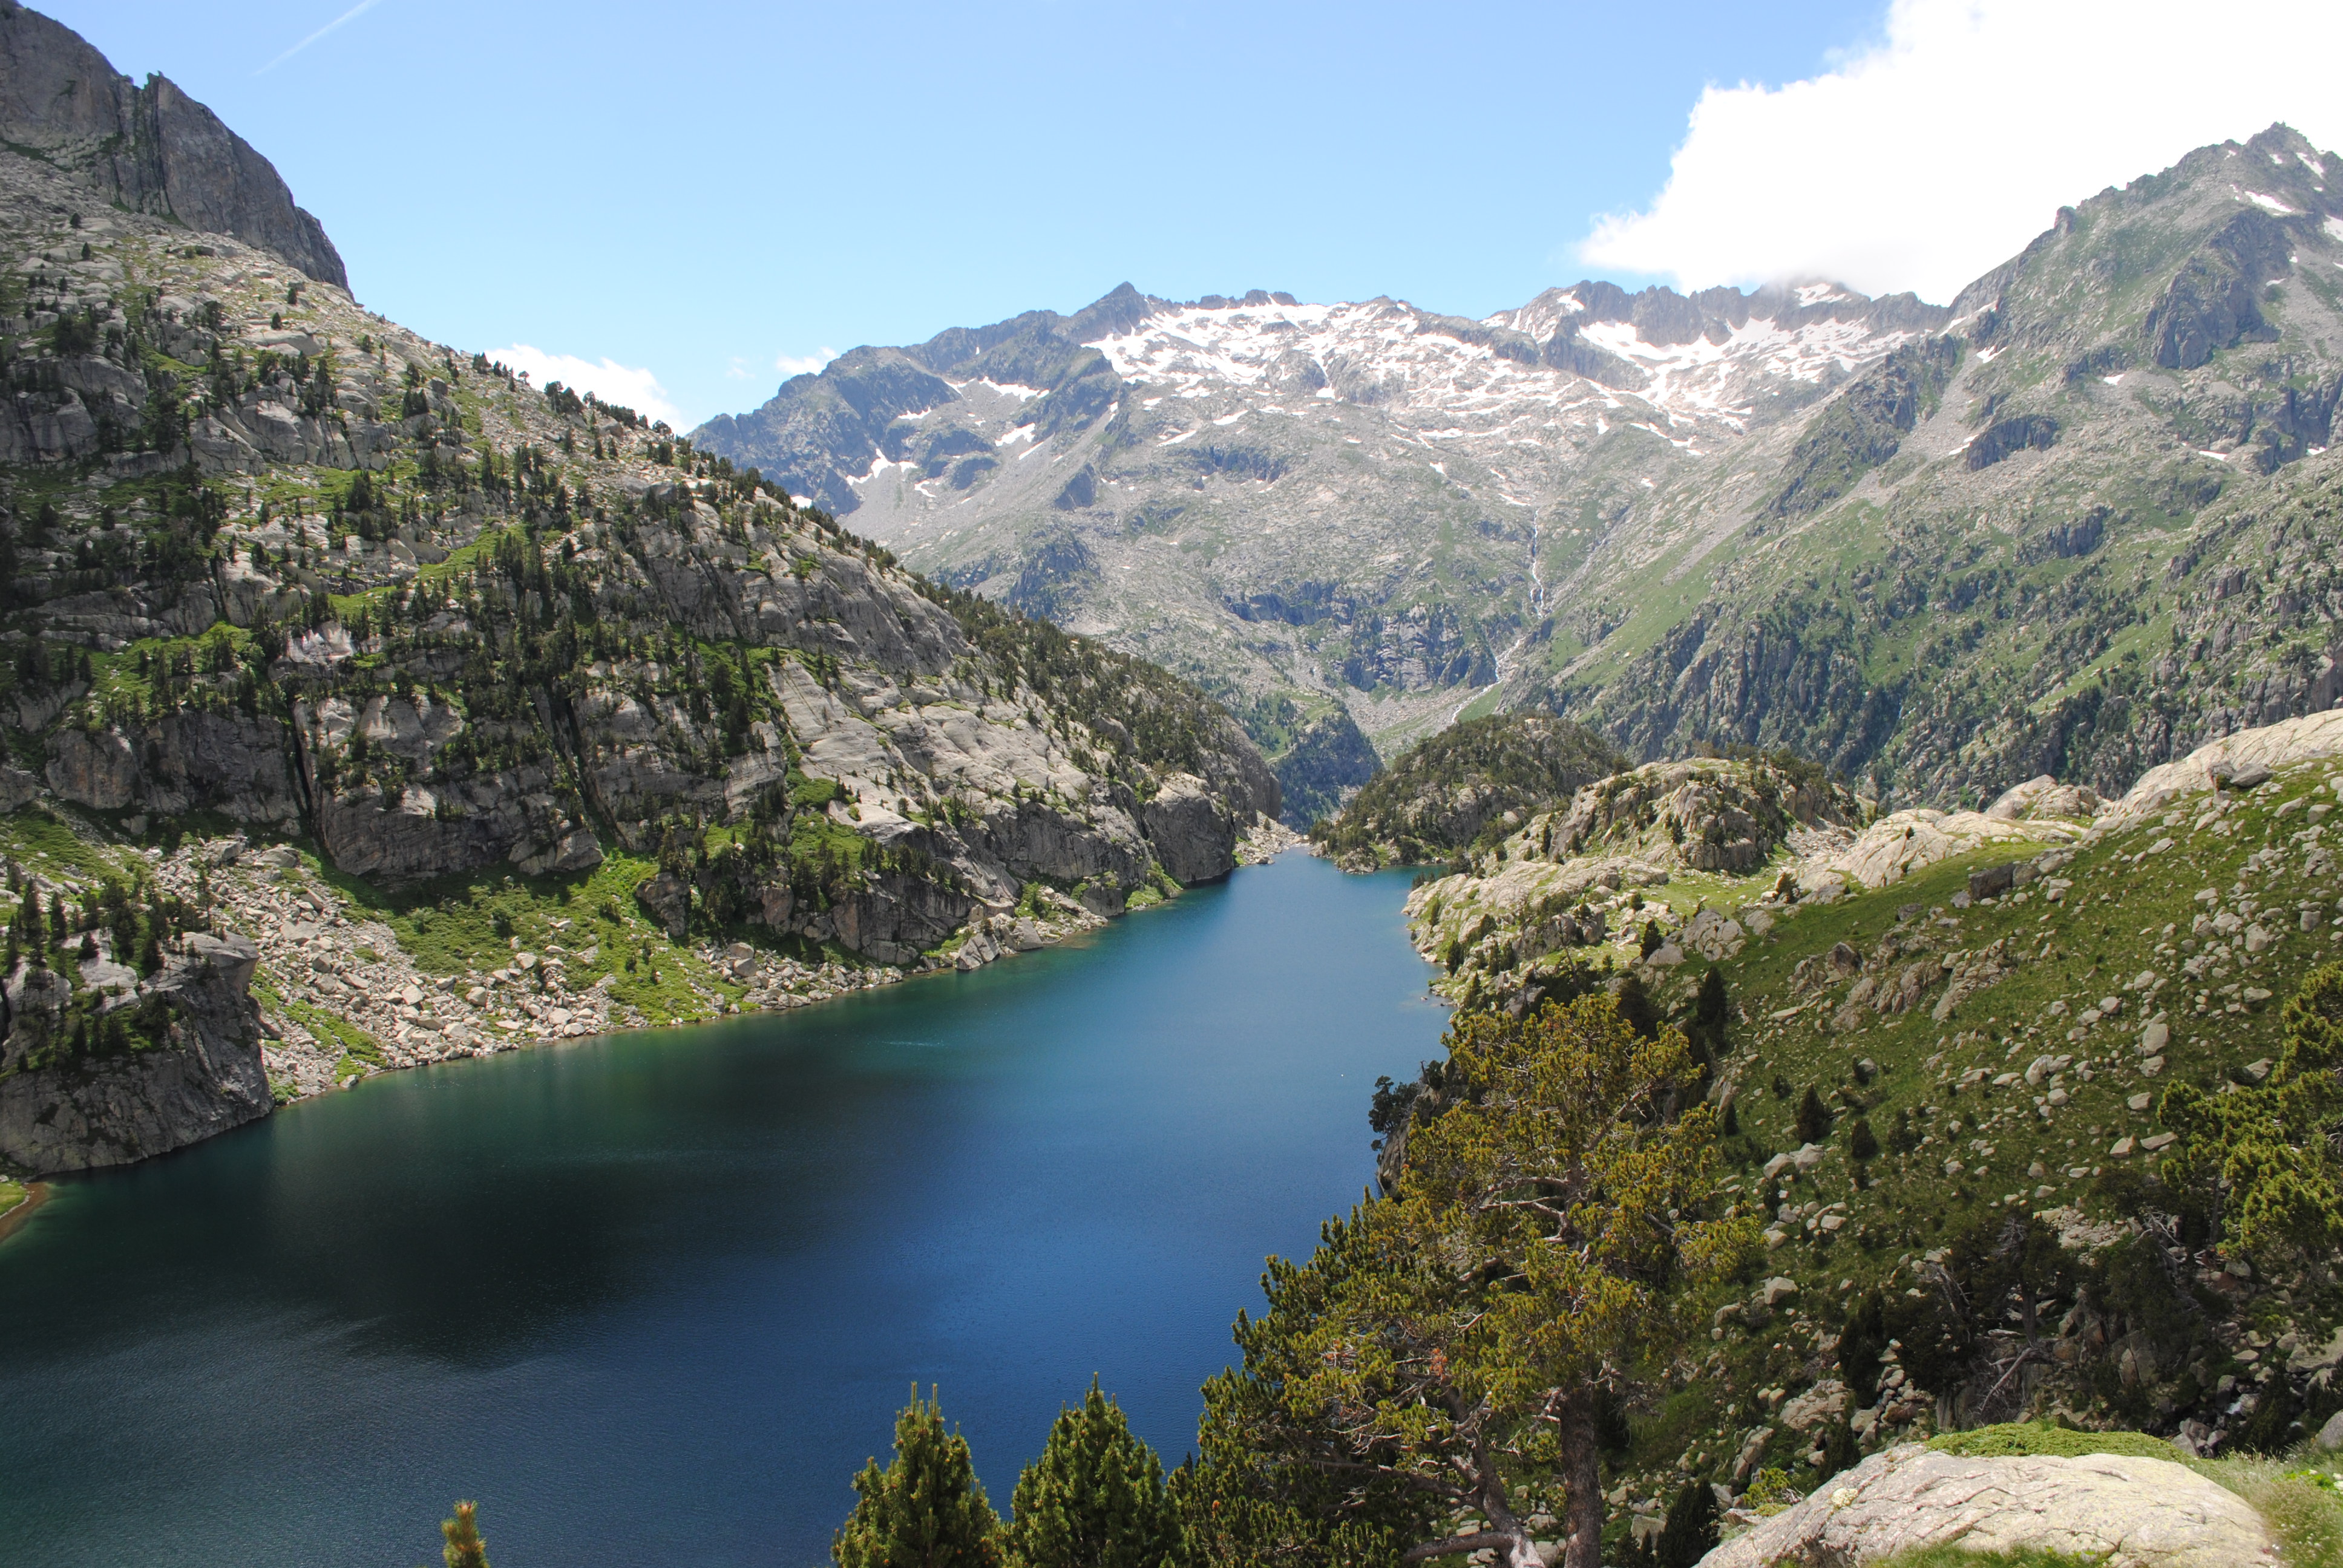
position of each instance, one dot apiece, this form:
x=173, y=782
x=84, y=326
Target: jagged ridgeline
x=1340, y=519
x=2085, y=525
x=1466, y=787
x=276, y=567
x=2077, y=522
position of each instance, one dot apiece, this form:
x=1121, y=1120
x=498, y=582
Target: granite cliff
x=150, y=148
x=555, y=722
x=189, y=1066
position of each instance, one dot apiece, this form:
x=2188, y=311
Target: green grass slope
x=1977, y=1228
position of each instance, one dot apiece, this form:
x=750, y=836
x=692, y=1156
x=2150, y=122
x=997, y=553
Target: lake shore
x=676, y=1283
x=12, y=1220
x=344, y=999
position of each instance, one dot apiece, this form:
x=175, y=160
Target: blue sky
x=704, y=189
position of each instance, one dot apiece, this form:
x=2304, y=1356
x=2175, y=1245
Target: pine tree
x=1813, y=1120
x=2268, y=1152
x=1634, y=1005
x=1711, y=1010
x=927, y=1509
x=1902, y=1137
x=464, y=1548
x=1861, y=1144
x=1095, y=1498
x=1526, y=1265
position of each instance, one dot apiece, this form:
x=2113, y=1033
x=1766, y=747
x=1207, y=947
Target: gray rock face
x=151, y=148
x=187, y=760
x=2128, y=1513
x=1707, y=816
x=1190, y=830
x=2210, y=303
x=677, y=662
x=204, y=1078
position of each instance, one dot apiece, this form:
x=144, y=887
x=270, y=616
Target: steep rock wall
x=202, y=1077
x=151, y=148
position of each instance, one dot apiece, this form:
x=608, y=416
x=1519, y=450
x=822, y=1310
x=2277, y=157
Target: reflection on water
x=660, y=1294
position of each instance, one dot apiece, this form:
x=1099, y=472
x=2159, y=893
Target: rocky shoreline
x=322, y=953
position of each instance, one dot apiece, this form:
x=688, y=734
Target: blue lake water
x=656, y=1297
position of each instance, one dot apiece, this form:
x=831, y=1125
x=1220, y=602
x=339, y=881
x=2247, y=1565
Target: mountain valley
x=1933, y=546
x=1865, y=765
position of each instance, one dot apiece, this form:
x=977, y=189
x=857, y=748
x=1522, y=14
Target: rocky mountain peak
x=1335, y=514
x=151, y=148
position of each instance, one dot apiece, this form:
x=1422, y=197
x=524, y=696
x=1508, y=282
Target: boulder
x=667, y=899
x=17, y=788
x=1712, y=935
x=1897, y=846
x=1826, y=1401
x=2125, y=1511
x=577, y=851
x=1992, y=881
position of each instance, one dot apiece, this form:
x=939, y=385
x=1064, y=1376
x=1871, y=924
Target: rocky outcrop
x=1191, y=830
x=1473, y=782
x=1703, y=815
x=2124, y=1511
x=2044, y=796
x=1902, y=843
x=151, y=148
x=2243, y=760
x=200, y=1074
x=192, y=759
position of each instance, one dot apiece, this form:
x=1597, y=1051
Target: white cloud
x=804, y=364
x=607, y=379
x=1931, y=157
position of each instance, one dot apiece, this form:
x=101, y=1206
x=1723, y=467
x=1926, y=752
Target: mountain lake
x=658, y=1296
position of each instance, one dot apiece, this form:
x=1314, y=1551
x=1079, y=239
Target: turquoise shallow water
x=656, y=1297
